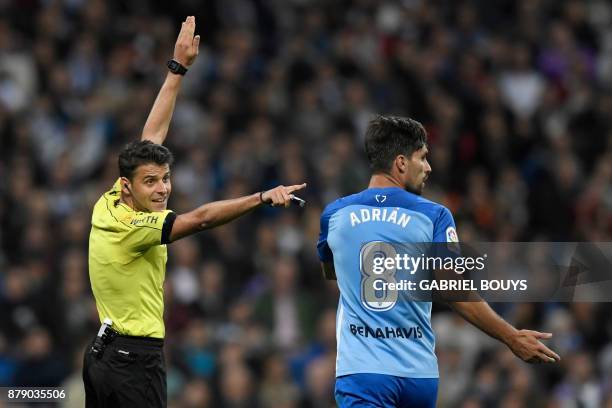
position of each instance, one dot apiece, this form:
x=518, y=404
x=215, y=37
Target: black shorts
x=130, y=373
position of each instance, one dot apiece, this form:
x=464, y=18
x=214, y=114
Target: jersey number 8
x=371, y=298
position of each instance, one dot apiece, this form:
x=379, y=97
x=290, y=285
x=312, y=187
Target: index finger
x=187, y=28
x=190, y=26
x=295, y=187
x=539, y=335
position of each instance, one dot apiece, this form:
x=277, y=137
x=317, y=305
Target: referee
x=124, y=366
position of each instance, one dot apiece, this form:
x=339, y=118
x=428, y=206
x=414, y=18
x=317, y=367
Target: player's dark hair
x=142, y=152
x=389, y=136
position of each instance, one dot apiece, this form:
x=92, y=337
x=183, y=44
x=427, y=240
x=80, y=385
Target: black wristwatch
x=176, y=67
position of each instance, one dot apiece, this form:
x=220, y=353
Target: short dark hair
x=389, y=136
x=141, y=152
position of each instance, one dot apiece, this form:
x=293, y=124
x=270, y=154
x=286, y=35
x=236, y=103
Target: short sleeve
x=147, y=229
x=444, y=227
x=325, y=253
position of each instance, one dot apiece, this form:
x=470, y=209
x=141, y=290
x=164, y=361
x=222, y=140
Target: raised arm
x=220, y=212
x=525, y=344
x=185, y=53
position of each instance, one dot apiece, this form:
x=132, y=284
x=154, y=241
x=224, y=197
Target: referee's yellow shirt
x=127, y=265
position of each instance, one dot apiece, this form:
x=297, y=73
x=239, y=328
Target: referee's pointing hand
x=280, y=196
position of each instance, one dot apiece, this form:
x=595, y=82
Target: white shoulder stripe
x=339, y=331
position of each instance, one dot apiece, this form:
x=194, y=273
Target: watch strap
x=176, y=67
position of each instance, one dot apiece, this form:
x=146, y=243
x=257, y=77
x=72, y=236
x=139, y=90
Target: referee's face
x=151, y=187
x=417, y=171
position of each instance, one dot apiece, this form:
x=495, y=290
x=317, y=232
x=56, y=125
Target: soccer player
x=131, y=226
x=385, y=350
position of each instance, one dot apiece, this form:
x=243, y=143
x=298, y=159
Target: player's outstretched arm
x=220, y=212
x=185, y=52
x=525, y=344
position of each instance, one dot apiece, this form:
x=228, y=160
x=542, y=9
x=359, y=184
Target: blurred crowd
x=514, y=96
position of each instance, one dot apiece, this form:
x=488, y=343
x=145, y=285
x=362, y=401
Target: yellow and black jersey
x=127, y=264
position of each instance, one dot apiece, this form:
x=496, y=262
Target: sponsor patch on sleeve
x=451, y=235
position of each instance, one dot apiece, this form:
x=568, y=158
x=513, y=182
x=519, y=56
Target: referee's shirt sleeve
x=149, y=229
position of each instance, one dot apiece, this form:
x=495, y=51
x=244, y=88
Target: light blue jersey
x=395, y=337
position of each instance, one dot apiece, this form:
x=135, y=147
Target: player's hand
x=187, y=45
x=280, y=196
x=526, y=345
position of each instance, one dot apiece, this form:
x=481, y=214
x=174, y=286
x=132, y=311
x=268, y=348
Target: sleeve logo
x=451, y=235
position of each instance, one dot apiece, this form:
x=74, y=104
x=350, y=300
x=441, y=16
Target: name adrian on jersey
x=413, y=332
x=379, y=214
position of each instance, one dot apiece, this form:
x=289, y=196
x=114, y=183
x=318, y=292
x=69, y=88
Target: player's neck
x=127, y=201
x=382, y=180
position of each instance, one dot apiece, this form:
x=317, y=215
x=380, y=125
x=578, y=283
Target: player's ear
x=400, y=163
x=125, y=185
